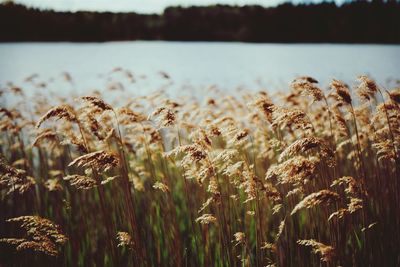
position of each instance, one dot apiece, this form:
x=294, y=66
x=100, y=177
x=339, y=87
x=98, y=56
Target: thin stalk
x=189, y=206
x=129, y=199
x=100, y=190
x=358, y=142
x=221, y=211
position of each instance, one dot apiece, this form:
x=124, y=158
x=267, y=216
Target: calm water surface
x=193, y=64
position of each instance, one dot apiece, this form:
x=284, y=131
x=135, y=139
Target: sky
x=140, y=6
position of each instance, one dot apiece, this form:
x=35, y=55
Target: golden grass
x=232, y=180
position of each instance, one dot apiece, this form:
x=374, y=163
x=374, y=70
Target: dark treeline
x=353, y=22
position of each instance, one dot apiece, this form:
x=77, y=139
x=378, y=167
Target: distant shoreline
x=357, y=22
x=197, y=42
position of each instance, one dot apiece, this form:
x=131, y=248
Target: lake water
x=193, y=64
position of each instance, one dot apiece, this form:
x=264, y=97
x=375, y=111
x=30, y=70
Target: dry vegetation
x=304, y=178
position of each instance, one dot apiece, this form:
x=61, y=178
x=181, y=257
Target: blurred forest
x=375, y=21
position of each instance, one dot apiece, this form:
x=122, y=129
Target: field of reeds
x=305, y=177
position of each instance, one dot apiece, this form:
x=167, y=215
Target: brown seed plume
x=206, y=219
x=97, y=102
x=295, y=118
x=323, y=196
x=129, y=116
x=327, y=253
x=341, y=92
x=99, y=160
x=160, y=186
x=293, y=171
x=164, y=116
x=366, y=89
x=240, y=238
x=266, y=106
x=14, y=180
x=395, y=95
x=42, y=235
x=81, y=181
x=307, y=85
x=46, y=134
x=305, y=144
x=125, y=240
x=59, y=112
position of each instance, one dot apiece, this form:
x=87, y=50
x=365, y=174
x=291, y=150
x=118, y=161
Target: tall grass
x=303, y=178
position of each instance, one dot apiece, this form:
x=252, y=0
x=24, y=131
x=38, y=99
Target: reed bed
x=305, y=177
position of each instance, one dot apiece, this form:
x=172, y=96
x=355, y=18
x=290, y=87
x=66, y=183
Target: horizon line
x=278, y=3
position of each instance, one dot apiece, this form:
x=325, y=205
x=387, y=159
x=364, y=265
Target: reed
x=305, y=177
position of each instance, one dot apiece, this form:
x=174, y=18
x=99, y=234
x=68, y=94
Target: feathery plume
x=366, y=89
x=128, y=116
x=99, y=160
x=97, y=103
x=125, y=240
x=395, y=95
x=206, y=204
x=341, y=92
x=352, y=185
x=81, y=181
x=323, y=196
x=266, y=106
x=109, y=179
x=292, y=118
x=327, y=253
x=46, y=134
x=206, y=219
x=305, y=144
x=280, y=229
x=15, y=180
x=164, y=116
x=294, y=170
x=42, y=235
x=240, y=238
x=339, y=214
x=271, y=247
x=160, y=186
x=59, y=112
x=307, y=85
